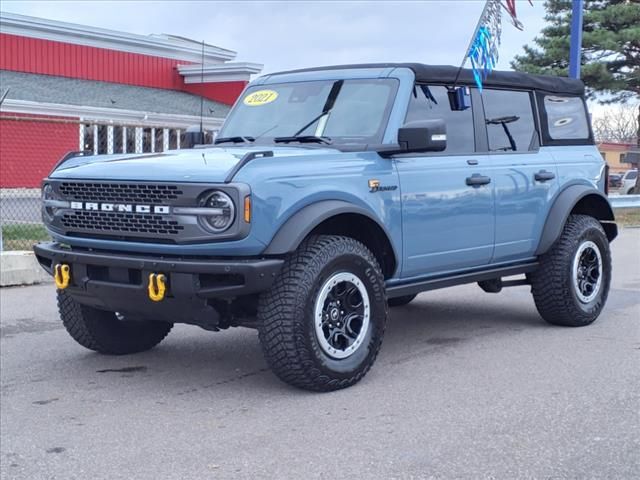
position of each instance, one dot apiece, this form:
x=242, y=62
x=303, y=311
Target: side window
x=431, y=103
x=566, y=118
x=509, y=119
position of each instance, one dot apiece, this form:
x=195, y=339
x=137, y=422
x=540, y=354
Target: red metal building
x=73, y=87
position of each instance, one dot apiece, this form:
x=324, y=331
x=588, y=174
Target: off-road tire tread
x=280, y=326
x=79, y=319
x=551, y=282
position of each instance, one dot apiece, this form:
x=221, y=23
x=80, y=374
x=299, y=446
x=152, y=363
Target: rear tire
x=322, y=321
x=103, y=332
x=571, y=285
x=401, y=301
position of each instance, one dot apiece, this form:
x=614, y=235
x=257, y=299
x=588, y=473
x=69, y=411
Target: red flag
x=510, y=7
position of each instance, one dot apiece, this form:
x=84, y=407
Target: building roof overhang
x=166, y=46
x=223, y=72
x=618, y=146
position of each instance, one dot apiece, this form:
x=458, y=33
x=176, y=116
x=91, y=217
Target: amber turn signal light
x=247, y=209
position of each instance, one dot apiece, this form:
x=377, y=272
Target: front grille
x=121, y=192
x=116, y=223
x=138, y=211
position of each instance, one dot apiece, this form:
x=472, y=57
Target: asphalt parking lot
x=468, y=385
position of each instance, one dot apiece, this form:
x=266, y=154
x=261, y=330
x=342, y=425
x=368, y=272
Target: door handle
x=477, y=180
x=544, y=176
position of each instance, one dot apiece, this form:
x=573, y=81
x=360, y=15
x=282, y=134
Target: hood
x=209, y=165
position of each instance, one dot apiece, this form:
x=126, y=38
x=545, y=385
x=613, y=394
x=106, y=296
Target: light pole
x=575, y=39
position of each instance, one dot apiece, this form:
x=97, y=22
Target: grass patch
x=627, y=217
x=22, y=236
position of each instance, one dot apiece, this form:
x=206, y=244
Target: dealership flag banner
x=483, y=49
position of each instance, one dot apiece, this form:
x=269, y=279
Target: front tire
x=571, y=285
x=104, y=332
x=323, y=320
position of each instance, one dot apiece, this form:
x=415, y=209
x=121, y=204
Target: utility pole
x=575, y=39
x=2, y=97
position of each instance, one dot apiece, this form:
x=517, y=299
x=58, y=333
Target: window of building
x=117, y=139
x=96, y=138
x=509, y=120
x=566, y=118
x=146, y=140
x=87, y=137
x=173, y=139
x=632, y=158
x=159, y=139
x=209, y=137
x=103, y=139
x=432, y=103
x=131, y=140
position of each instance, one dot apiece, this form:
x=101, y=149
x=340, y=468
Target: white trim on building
x=111, y=115
x=224, y=72
x=166, y=46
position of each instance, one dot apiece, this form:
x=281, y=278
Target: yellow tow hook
x=157, y=287
x=62, y=275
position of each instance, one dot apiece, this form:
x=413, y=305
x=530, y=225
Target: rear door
x=525, y=176
x=447, y=197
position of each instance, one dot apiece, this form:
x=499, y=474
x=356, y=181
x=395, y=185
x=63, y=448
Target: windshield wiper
x=237, y=139
x=303, y=139
x=328, y=106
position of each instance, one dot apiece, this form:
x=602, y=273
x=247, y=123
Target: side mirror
x=423, y=136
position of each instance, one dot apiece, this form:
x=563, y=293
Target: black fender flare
x=562, y=207
x=301, y=223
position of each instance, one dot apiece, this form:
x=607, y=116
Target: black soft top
x=446, y=74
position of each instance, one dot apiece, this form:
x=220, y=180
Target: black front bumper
x=119, y=282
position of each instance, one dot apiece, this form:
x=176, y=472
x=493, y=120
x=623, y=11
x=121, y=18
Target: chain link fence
x=30, y=146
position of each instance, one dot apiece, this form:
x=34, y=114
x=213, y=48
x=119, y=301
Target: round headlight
x=221, y=220
x=48, y=194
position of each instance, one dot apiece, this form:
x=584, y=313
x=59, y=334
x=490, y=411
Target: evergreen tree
x=610, y=47
x=610, y=57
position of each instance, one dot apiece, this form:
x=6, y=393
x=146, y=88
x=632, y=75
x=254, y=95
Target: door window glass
x=566, y=117
x=509, y=120
x=432, y=103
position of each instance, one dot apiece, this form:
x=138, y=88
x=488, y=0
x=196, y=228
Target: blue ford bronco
x=331, y=194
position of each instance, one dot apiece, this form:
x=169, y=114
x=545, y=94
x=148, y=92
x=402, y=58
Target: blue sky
x=285, y=35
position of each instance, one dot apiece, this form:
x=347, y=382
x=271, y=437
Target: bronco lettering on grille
x=120, y=207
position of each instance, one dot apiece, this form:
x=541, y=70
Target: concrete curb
x=21, y=268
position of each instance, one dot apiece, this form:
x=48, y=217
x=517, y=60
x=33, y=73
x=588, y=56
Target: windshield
x=342, y=111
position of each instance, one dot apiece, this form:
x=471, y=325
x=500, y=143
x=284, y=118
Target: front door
x=447, y=197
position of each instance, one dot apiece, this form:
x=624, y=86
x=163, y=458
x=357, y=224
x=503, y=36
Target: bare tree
x=618, y=124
